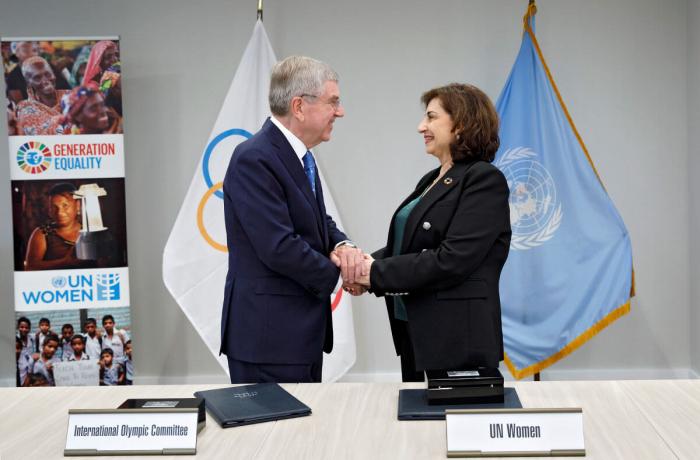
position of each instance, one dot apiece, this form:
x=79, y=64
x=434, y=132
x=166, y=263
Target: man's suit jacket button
x=426, y=225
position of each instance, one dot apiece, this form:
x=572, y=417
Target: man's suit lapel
x=452, y=178
x=286, y=154
x=322, y=208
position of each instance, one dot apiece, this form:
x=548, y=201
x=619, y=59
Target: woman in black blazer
x=448, y=242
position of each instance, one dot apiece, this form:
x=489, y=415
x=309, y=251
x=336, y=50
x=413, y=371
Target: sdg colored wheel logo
x=33, y=157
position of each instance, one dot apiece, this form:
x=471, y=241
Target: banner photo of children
x=62, y=87
x=69, y=224
x=74, y=347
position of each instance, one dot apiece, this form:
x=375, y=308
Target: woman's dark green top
x=399, y=227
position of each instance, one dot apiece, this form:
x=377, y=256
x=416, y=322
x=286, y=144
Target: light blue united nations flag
x=569, y=271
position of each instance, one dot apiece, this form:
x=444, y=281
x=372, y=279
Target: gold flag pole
x=260, y=10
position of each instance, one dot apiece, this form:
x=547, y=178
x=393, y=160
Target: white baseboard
x=182, y=380
x=587, y=374
x=380, y=377
x=357, y=377
x=620, y=374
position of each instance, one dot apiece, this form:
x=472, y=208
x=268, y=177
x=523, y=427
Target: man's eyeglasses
x=335, y=102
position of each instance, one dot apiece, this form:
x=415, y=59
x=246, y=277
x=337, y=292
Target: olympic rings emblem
x=200, y=218
x=212, y=188
x=336, y=299
x=210, y=149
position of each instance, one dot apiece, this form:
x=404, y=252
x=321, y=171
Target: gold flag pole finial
x=260, y=10
x=531, y=11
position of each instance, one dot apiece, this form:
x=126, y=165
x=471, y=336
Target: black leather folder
x=169, y=403
x=413, y=405
x=248, y=404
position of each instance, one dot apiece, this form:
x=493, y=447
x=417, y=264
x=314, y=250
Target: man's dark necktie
x=310, y=169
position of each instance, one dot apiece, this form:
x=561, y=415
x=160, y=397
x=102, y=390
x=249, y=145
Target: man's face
x=23, y=329
x=67, y=331
x=41, y=79
x=50, y=348
x=319, y=114
x=90, y=328
x=108, y=325
x=44, y=327
x=77, y=345
x=26, y=50
x=127, y=350
x=107, y=359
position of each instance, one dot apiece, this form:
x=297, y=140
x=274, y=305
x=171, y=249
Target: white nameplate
x=131, y=432
x=514, y=432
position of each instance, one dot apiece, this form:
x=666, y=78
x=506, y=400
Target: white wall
x=621, y=67
x=693, y=174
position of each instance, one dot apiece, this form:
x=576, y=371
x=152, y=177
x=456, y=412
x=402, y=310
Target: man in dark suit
x=284, y=250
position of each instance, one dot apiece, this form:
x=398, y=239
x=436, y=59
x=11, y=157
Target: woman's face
x=93, y=117
x=64, y=209
x=41, y=79
x=437, y=129
x=109, y=57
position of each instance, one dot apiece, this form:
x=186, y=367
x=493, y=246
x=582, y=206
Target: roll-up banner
x=66, y=153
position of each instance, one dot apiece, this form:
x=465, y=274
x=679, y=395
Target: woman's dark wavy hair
x=474, y=117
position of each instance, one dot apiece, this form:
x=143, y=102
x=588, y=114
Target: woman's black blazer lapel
x=452, y=179
x=422, y=184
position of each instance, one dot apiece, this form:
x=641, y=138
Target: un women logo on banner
x=535, y=213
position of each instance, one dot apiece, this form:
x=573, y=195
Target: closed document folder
x=243, y=405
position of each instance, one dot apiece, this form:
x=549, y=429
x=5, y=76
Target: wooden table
x=622, y=419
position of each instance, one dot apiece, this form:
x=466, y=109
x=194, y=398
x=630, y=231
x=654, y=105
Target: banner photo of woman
x=69, y=224
x=62, y=87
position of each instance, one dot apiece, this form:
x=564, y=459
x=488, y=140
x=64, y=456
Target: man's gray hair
x=297, y=76
x=29, y=63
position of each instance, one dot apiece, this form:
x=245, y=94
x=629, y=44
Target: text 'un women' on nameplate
x=514, y=432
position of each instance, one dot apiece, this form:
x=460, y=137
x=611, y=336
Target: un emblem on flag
x=535, y=213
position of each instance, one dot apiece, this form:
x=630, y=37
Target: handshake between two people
x=354, y=267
